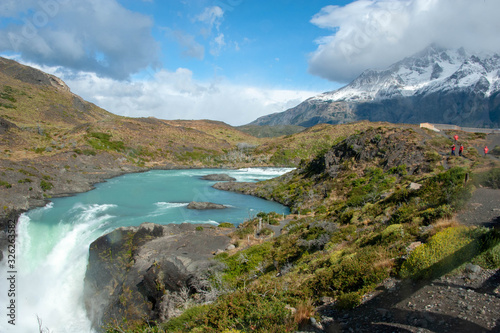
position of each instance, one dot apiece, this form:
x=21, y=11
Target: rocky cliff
x=150, y=271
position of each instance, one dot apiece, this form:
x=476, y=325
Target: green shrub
x=26, y=173
x=404, y=214
x=46, y=186
x=392, y=233
x=102, y=141
x=348, y=301
x=199, y=228
x=89, y=152
x=490, y=245
x=242, y=232
x=5, y=184
x=265, y=232
x=226, y=225
x=187, y=320
x=250, y=312
x=244, y=261
x=432, y=156
x=432, y=214
x=446, y=188
x=443, y=253
x=399, y=170
x=356, y=272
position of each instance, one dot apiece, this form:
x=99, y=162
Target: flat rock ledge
x=221, y=177
x=204, y=205
x=140, y=272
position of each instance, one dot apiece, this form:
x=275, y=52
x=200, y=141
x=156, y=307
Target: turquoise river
x=52, y=242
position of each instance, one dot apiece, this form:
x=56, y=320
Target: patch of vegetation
x=26, y=173
x=197, y=154
x=226, y=225
x=444, y=252
x=45, y=185
x=270, y=131
x=102, y=141
x=8, y=95
x=5, y=184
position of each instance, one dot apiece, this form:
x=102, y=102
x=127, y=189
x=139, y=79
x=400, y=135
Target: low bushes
x=443, y=252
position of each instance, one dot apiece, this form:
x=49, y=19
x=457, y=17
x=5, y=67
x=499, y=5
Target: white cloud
x=190, y=47
x=212, y=17
x=217, y=45
x=376, y=33
x=98, y=36
x=177, y=95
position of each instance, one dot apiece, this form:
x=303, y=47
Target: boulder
x=222, y=177
x=204, y=205
x=414, y=186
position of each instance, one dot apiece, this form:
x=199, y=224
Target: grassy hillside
x=270, y=131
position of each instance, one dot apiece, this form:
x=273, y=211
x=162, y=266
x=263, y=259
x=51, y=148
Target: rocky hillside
x=373, y=223
x=436, y=85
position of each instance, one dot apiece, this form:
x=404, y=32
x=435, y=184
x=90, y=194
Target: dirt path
x=465, y=303
x=483, y=209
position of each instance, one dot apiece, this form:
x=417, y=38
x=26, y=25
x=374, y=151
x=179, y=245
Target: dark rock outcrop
x=135, y=272
x=222, y=177
x=204, y=205
x=5, y=125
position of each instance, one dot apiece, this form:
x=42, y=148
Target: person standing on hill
x=461, y=150
x=453, y=150
x=455, y=137
x=486, y=150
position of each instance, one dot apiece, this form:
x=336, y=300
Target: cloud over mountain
x=375, y=33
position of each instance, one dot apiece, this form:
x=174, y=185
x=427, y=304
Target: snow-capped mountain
x=435, y=85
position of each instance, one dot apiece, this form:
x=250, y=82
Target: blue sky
x=265, y=43
x=229, y=60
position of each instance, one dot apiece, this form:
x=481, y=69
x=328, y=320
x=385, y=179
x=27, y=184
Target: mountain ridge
x=435, y=85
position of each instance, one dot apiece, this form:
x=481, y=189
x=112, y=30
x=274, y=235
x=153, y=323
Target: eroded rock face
x=132, y=271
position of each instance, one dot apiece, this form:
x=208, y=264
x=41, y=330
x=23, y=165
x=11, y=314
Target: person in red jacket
x=461, y=150
x=455, y=137
x=486, y=150
x=453, y=150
